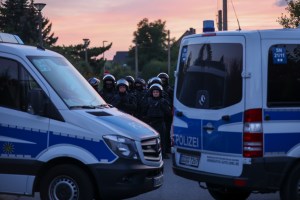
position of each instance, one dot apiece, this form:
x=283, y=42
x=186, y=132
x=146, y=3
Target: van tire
x=66, y=182
x=224, y=193
x=291, y=187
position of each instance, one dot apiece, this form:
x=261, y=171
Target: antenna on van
x=237, y=19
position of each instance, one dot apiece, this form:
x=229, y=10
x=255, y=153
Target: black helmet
x=165, y=76
x=109, y=77
x=123, y=82
x=130, y=79
x=94, y=81
x=141, y=82
x=156, y=86
x=154, y=80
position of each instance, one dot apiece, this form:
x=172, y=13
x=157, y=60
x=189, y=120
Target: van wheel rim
x=63, y=188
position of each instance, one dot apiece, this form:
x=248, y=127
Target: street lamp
x=39, y=7
x=85, y=45
x=103, y=56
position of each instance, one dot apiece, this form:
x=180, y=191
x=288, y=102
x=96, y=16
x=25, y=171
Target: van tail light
x=253, y=133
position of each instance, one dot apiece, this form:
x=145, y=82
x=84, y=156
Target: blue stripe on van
x=282, y=114
x=97, y=148
x=281, y=143
x=17, y=141
x=285, y=141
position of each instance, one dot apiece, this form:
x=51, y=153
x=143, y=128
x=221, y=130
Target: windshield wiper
x=83, y=107
x=91, y=107
x=104, y=106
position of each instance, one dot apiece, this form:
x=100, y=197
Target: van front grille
x=151, y=149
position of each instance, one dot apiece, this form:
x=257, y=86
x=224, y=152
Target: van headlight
x=122, y=146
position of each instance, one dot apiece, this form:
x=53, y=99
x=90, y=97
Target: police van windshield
x=210, y=75
x=67, y=82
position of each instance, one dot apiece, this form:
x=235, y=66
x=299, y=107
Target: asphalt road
x=174, y=188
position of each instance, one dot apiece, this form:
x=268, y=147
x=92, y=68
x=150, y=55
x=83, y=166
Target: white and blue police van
x=236, y=125
x=58, y=137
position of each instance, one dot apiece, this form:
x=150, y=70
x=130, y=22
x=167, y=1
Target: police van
x=236, y=125
x=58, y=137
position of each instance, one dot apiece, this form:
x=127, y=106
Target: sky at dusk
x=116, y=20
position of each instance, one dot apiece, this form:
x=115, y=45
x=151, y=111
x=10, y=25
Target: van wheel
x=291, y=187
x=66, y=182
x=223, y=193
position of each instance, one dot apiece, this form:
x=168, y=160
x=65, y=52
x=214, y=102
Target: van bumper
x=126, y=178
x=262, y=175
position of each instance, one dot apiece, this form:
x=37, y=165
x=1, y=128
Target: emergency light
x=208, y=26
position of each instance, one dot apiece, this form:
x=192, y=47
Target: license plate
x=189, y=160
x=158, y=181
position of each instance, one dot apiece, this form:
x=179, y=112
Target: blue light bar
x=208, y=26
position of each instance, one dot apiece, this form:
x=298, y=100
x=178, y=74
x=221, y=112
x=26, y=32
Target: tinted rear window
x=284, y=75
x=210, y=75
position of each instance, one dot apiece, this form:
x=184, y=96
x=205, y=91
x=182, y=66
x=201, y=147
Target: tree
x=21, y=18
x=293, y=20
x=151, y=40
x=76, y=55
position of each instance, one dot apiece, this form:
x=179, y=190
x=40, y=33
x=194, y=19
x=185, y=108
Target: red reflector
x=253, y=137
x=240, y=183
x=208, y=34
x=252, y=154
x=253, y=115
x=253, y=145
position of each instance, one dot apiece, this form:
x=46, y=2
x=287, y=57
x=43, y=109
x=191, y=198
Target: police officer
x=139, y=93
x=108, y=90
x=123, y=100
x=131, y=81
x=169, y=90
x=157, y=80
x=155, y=110
x=166, y=85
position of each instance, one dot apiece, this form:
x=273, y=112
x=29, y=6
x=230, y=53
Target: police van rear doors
x=208, y=117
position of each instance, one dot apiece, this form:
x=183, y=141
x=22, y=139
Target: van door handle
x=208, y=128
x=226, y=117
x=179, y=113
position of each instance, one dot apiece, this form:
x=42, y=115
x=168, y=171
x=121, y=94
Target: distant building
x=121, y=58
x=188, y=32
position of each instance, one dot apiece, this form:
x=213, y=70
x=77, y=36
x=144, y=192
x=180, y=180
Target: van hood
x=112, y=121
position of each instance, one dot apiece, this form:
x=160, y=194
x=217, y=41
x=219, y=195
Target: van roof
x=25, y=50
x=286, y=33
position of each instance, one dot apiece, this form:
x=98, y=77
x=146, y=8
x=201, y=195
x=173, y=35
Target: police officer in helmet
x=155, y=110
x=123, y=100
x=108, y=90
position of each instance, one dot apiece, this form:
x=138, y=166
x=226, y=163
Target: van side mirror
x=36, y=101
x=39, y=104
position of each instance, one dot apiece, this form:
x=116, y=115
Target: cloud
x=281, y=3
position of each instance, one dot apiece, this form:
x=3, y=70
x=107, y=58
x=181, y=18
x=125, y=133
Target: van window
x=284, y=75
x=210, y=75
x=74, y=90
x=15, y=82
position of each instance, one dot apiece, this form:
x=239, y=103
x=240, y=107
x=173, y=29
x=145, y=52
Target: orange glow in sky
x=115, y=21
